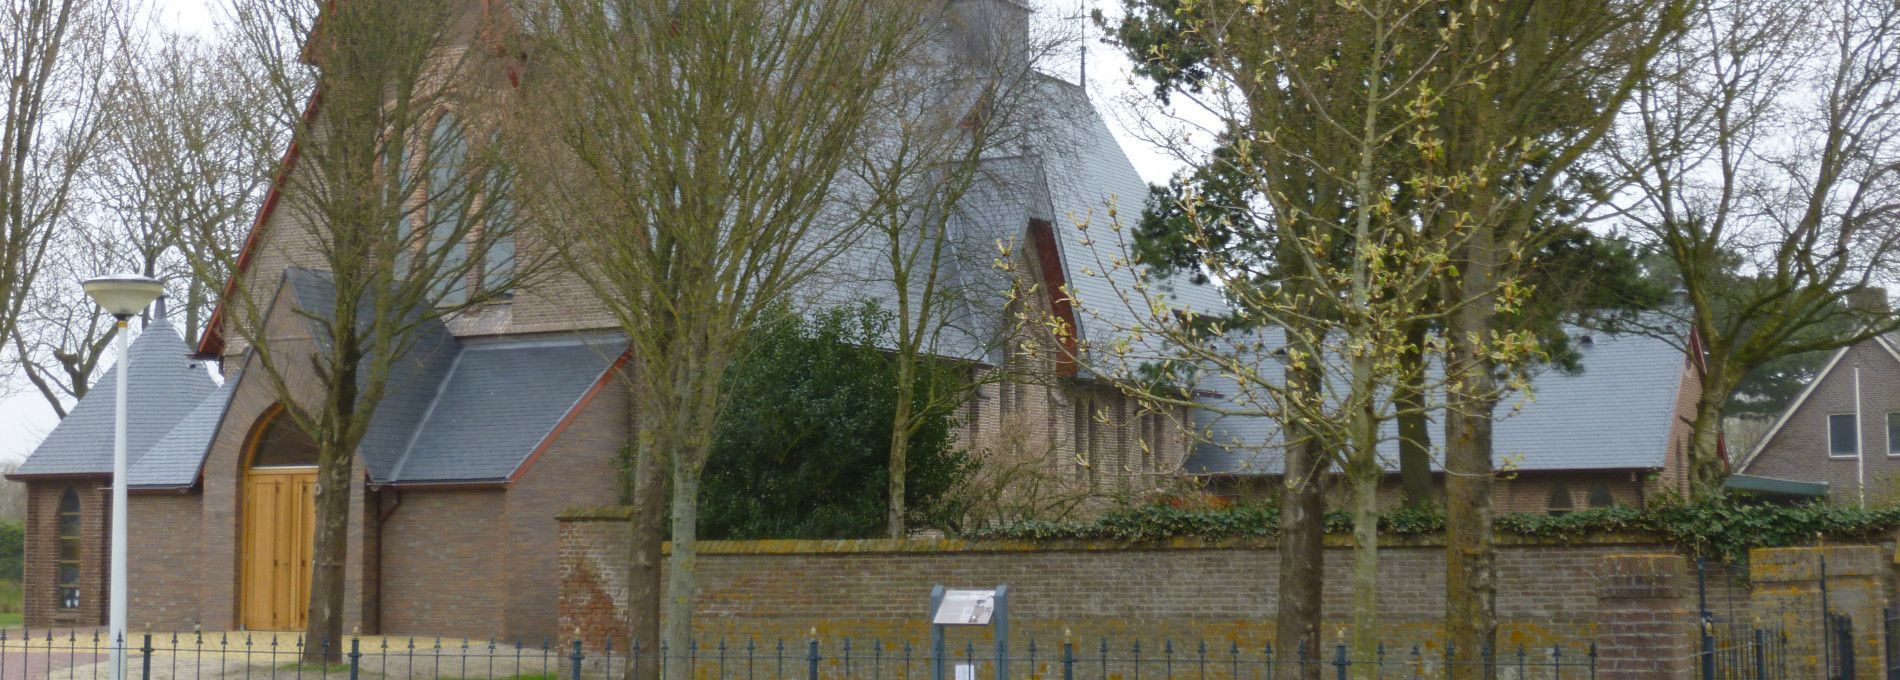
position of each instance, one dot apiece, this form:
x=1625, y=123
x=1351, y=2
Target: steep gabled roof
x=166, y=385
x=1890, y=343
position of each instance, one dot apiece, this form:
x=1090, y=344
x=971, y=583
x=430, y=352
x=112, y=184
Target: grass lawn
x=11, y=620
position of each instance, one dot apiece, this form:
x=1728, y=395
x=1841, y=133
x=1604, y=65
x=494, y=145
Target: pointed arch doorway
x=279, y=519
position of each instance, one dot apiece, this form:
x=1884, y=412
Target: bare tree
x=54, y=57
x=1764, y=158
x=192, y=146
x=939, y=126
x=397, y=197
x=63, y=334
x=701, y=155
x=179, y=163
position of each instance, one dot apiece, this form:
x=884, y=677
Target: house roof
x=455, y=411
x=178, y=457
x=165, y=386
x=1071, y=173
x=499, y=403
x=465, y=410
x=1615, y=413
x=1890, y=343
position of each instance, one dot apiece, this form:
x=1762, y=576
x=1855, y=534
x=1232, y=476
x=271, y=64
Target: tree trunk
x=1706, y=467
x=194, y=299
x=1301, y=547
x=646, y=530
x=323, y=632
x=1470, y=554
x=1415, y=441
x=682, y=566
x=900, y=445
x=1366, y=472
x=1365, y=561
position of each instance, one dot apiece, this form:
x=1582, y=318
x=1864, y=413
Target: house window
x=451, y=217
x=448, y=207
x=1085, y=441
x=975, y=407
x=1560, y=502
x=69, y=545
x=1600, y=496
x=1843, y=435
x=1893, y=434
x=1154, y=429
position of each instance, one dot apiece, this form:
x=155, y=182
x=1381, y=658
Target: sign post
x=969, y=608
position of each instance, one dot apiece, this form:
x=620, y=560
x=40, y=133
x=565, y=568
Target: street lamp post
x=122, y=296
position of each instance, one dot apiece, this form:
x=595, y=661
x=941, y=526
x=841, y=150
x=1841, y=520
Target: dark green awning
x=1770, y=486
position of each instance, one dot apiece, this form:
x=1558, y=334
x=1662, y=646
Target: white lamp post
x=122, y=296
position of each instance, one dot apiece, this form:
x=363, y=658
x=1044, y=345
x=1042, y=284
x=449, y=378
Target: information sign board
x=965, y=608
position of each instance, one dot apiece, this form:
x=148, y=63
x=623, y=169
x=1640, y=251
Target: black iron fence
x=1760, y=655
x=1750, y=655
x=1890, y=642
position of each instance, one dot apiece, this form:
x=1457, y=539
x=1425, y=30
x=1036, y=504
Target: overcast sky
x=25, y=417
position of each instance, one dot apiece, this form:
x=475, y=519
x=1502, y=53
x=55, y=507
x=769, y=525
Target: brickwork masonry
x=1182, y=590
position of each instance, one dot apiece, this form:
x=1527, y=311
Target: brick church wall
x=166, y=573
x=39, y=584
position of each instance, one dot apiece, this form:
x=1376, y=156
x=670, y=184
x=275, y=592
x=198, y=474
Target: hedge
x=1724, y=528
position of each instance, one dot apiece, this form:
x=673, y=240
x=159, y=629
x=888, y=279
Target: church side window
x=69, y=548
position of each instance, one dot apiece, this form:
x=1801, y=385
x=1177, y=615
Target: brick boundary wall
x=1182, y=590
x=1647, y=621
x=1788, y=595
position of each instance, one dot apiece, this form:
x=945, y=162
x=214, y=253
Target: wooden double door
x=280, y=516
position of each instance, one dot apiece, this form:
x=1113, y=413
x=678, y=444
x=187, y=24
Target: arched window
x=1600, y=496
x=1560, y=501
x=281, y=443
x=68, y=534
x=448, y=206
x=498, y=226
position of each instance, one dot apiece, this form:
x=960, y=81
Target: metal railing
x=75, y=654
x=1759, y=655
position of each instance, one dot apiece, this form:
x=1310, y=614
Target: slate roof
x=455, y=410
x=178, y=457
x=1614, y=414
x=465, y=411
x=1071, y=173
x=500, y=401
x=1091, y=182
x=166, y=385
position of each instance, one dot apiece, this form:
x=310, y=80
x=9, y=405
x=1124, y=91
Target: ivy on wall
x=1723, y=528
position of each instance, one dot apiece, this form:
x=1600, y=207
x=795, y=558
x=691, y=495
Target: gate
x=1890, y=640
x=1732, y=647
x=1839, y=647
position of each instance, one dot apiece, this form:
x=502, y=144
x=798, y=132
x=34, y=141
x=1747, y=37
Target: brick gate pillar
x=1647, y=622
x=1787, y=594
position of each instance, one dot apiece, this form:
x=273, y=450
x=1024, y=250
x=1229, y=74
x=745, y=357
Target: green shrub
x=12, y=551
x=802, y=449
x=1724, y=528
